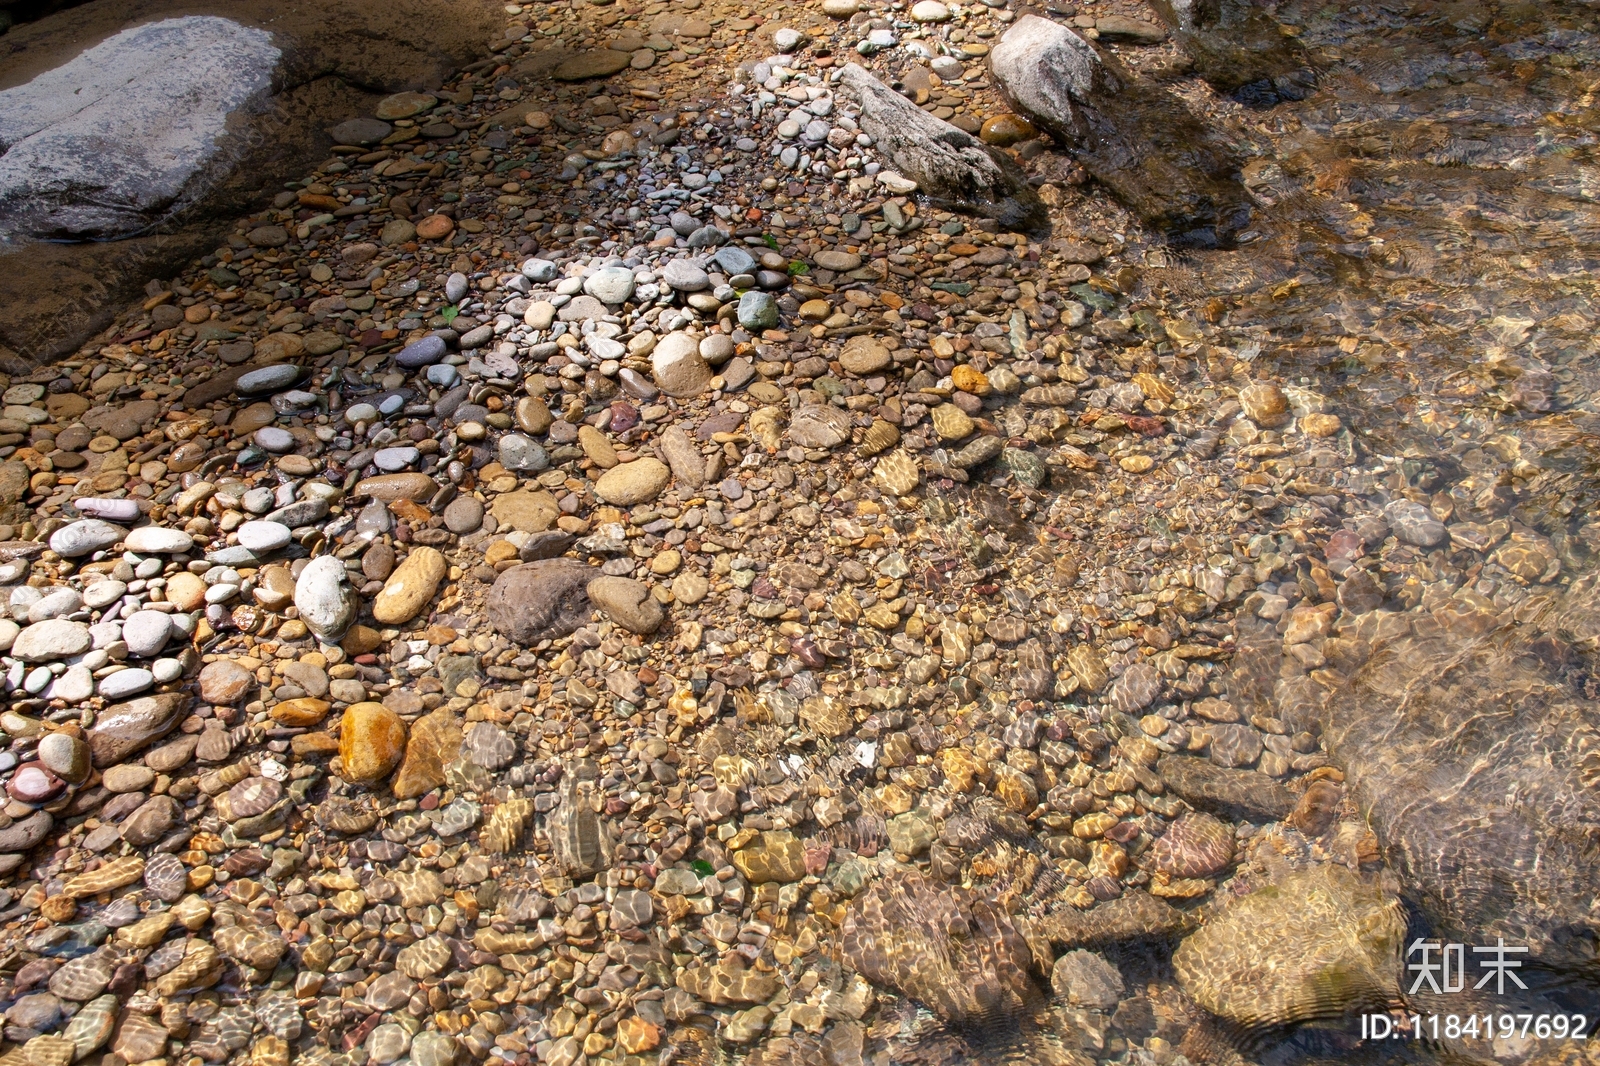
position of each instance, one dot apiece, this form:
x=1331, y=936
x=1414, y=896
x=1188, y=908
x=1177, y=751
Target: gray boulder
x=336, y=56
x=953, y=168
x=109, y=143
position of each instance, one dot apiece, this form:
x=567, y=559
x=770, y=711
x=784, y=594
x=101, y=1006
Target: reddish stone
x=32, y=783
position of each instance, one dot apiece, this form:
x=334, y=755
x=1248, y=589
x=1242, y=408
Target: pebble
x=65, y=755
x=123, y=511
x=56, y=638
x=410, y=587
x=632, y=483
x=274, y=439
x=464, y=514
x=684, y=275
x=425, y=352
x=268, y=379
x=678, y=367
x=325, y=602
x=125, y=683
x=758, y=311
x=611, y=285
x=628, y=603
x=372, y=740
x=146, y=633
x=77, y=539
x=262, y=537
x=154, y=540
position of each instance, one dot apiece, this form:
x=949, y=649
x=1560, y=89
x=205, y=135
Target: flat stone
x=100, y=127
x=125, y=683
x=863, y=356
x=539, y=600
x=156, y=540
x=464, y=514
x=109, y=510
x=775, y=856
x=630, y=483
x=411, y=587
x=268, y=379
x=262, y=537
x=418, y=354
x=628, y=603
x=685, y=275
x=434, y=741
x=818, y=426
x=597, y=63
x=611, y=285
x=838, y=262
x=1122, y=28
x=360, y=131
x=77, y=539
x=388, y=488
x=405, y=105
x=1085, y=979
x=526, y=510
x=124, y=728
x=56, y=638
x=25, y=832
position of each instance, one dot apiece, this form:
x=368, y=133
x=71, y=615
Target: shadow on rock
x=956, y=170
x=1238, y=49
x=1136, y=138
x=91, y=154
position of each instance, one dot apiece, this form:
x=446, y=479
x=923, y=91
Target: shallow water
x=1423, y=257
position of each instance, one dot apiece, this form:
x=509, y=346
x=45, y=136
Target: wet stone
x=1083, y=978
x=946, y=948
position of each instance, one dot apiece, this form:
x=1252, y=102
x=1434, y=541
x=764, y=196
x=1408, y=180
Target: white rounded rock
x=110, y=510
x=57, y=603
x=74, y=686
x=55, y=639
x=326, y=604
x=104, y=593
x=83, y=537
x=261, y=537
x=158, y=540
x=274, y=439
x=930, y=11
x=146, y=632
x=678, y=367
x=125, y=683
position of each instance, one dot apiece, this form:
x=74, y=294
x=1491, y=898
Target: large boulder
x=1310, y=946
x=953, y=168
x=1471, y=744
x=1238, y=48
x=82, y=69
x=1135, y=137
x=109, y=143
